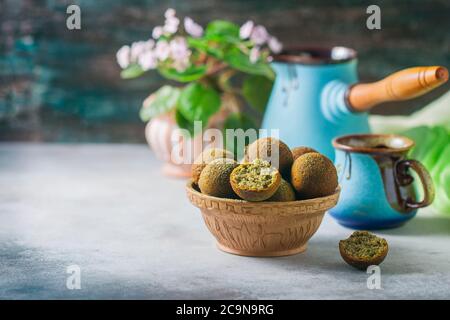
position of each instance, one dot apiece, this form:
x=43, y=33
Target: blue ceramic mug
x=377, y=188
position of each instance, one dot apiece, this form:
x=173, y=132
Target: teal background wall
x=61, y=85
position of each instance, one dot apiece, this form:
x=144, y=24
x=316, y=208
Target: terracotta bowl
x=261, y=229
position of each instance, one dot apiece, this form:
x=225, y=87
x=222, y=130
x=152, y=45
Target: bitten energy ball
x=313, y=175
x=363, y=249
x=206, y=157
x=276, y=152
x=215, y=178
x=255, y=181
x=299, y=151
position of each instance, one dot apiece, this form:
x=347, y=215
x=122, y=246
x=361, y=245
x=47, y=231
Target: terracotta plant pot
x=261, y=229
x=159, y=133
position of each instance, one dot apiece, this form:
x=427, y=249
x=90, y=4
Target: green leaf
x=240, y=61
x=183, y=123
x=133, y=71
x=235, y=121
x=221, y=29
x=161, y=101
x=203, y=45
x=190, y=74
x=198, y=43
x=198, y=103
x=256, y=91
x=219, y=35
x=238, y=120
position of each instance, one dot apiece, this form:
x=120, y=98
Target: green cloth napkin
x=436, y=113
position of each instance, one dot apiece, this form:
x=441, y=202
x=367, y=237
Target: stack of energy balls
x=270, y=171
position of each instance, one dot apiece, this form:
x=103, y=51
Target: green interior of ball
x=364, y=245
x=256, y=175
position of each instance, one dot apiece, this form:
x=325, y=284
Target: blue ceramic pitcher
x=378, y=189
x=316, y=98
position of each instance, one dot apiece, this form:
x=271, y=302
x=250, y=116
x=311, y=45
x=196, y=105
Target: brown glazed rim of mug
x=317, y=55
x=340, y=143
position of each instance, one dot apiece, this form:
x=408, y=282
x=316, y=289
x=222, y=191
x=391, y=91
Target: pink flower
x=157, y=32
x=246, y=30
x=150, y=44
x=274, y=45
x=172, y=22
x=180, y=53
x=259, y=35
x=162, y=50
x=193, y=28
x=123, y=56
x=181, y=65
x=137, y=48
x=147, y=60
x=171, y=25
x=254, y=54
x=170, y=13
x=179, y=49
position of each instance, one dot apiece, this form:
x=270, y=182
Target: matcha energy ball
x=299, y=151
x=255, y=181
x=285, y=192
x=206, y=157
x=363, y=249
x=215, y=178
x=313, y=175
x=276, y=152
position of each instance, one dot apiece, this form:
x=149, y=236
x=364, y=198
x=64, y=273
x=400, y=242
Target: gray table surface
x=133, y=233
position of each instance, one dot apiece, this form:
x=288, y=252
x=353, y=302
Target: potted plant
x=221, y=78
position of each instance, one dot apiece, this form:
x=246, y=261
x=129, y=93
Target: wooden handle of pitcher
x=402, y=85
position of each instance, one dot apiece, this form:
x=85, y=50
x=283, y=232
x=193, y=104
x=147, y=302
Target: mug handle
x=403, y=178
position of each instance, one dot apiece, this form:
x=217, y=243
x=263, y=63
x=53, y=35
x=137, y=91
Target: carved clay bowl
x=261, y=229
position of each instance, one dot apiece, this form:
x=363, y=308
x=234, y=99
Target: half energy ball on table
x=363, y=249
x=255, y=181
